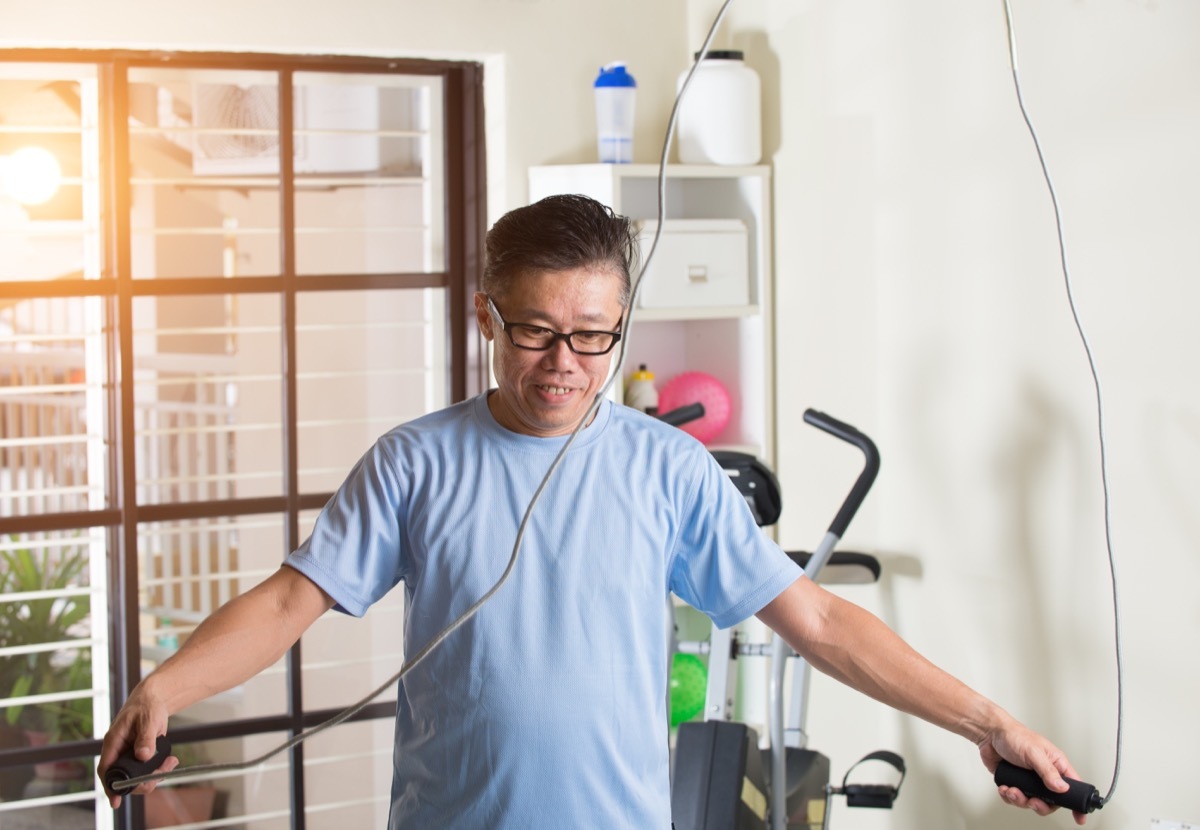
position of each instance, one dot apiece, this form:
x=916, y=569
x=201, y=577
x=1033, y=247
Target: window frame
x=465, y=224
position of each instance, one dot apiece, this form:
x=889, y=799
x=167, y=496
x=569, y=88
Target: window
x=221, y=277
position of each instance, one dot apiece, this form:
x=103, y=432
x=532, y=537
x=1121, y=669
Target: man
x=547, y=708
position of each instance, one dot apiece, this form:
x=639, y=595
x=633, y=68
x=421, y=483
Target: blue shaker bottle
x=616, y=93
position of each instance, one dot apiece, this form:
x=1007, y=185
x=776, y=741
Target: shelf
x=725, y=333
x=651, y=315
x=643, y=171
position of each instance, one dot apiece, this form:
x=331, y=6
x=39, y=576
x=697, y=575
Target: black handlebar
x=682, y=415
x=865, y=479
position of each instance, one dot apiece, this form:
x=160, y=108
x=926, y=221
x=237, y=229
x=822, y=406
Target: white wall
x=919, y=289
x=920, y=297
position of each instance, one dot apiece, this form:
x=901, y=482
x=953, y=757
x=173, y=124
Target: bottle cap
x=721, y=55
x=614, y=74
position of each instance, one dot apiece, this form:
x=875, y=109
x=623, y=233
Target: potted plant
x=27, y=620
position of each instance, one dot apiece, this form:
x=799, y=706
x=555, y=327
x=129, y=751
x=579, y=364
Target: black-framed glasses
x=540, y=338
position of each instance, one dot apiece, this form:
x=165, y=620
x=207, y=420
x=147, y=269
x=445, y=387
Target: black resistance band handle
x=682, y=415
x=1081, y=797
x=865, y=479
x=127, y=766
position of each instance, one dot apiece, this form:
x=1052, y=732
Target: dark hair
x=559, y=233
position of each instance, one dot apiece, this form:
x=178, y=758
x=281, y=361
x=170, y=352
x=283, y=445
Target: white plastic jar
x=720, y=118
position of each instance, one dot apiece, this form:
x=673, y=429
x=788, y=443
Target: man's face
x=545, y=393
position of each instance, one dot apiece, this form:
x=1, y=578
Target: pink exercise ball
x=698, y=387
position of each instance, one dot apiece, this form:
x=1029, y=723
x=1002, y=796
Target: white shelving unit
x=688, y=326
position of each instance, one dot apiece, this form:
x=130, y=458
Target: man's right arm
x=243, y=637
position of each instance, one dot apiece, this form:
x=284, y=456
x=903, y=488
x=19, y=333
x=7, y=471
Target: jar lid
x=614, y=74
x=722, y=55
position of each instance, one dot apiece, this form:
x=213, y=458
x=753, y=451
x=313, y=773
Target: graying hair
x=559, y=233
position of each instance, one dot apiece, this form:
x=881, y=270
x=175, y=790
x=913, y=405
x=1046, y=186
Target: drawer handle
x=697, y=273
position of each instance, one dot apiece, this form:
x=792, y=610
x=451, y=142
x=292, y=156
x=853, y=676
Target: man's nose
x=559, y=355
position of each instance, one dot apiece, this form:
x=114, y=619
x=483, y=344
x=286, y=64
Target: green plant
x=27, y=621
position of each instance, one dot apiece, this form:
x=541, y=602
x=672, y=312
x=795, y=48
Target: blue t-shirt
x=548, y=707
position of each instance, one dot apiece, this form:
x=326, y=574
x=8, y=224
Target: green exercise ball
x=689, y=681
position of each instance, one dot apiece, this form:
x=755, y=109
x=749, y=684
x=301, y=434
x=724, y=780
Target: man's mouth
x=554, y=390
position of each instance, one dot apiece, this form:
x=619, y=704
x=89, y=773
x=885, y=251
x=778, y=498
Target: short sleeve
x=723, y=563
x=355, y=553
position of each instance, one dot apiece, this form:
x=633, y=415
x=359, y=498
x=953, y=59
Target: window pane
x=257, y=798
x=348, y=776
x=345, y=658
x=52, y=405
x=49, y=197
x=204, y=154
x=366, y=361
x=207, y=391
x=59, y=795
x=204, y=191
x=53, y=632
x=368, y=174
x=188, y=569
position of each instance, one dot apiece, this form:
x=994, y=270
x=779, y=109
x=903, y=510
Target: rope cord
x=201, y=770
x=1062, y=250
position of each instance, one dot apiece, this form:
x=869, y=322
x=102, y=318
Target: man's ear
x=482, y=317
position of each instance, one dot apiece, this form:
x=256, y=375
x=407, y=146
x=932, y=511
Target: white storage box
x=698, y=263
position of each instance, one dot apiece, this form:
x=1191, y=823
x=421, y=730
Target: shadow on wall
x=763, y=60
x=1019, y=464
x=1025, y=464
x=945, y=810
x=927, y=794
x=1047, y=467
x=1173, y=454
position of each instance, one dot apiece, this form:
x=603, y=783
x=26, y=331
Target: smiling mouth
x=554, y=390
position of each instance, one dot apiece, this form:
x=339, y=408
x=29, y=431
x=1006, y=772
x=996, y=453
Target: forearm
x=239, y=640
x=853, y=646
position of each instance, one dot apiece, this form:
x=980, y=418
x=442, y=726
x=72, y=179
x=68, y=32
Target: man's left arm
x=853, y=646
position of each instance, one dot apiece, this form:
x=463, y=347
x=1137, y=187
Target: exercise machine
x=721, y=779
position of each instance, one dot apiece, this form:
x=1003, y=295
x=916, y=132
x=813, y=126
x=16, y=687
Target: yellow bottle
x=641, y=393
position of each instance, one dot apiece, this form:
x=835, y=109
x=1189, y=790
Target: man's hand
x=141, y=720
x=1022, y=746
x=243, y=637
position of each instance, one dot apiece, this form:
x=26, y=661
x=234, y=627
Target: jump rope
x=127, y=773
x=1081, y=797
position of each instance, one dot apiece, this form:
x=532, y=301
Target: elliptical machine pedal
x=877, y=796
